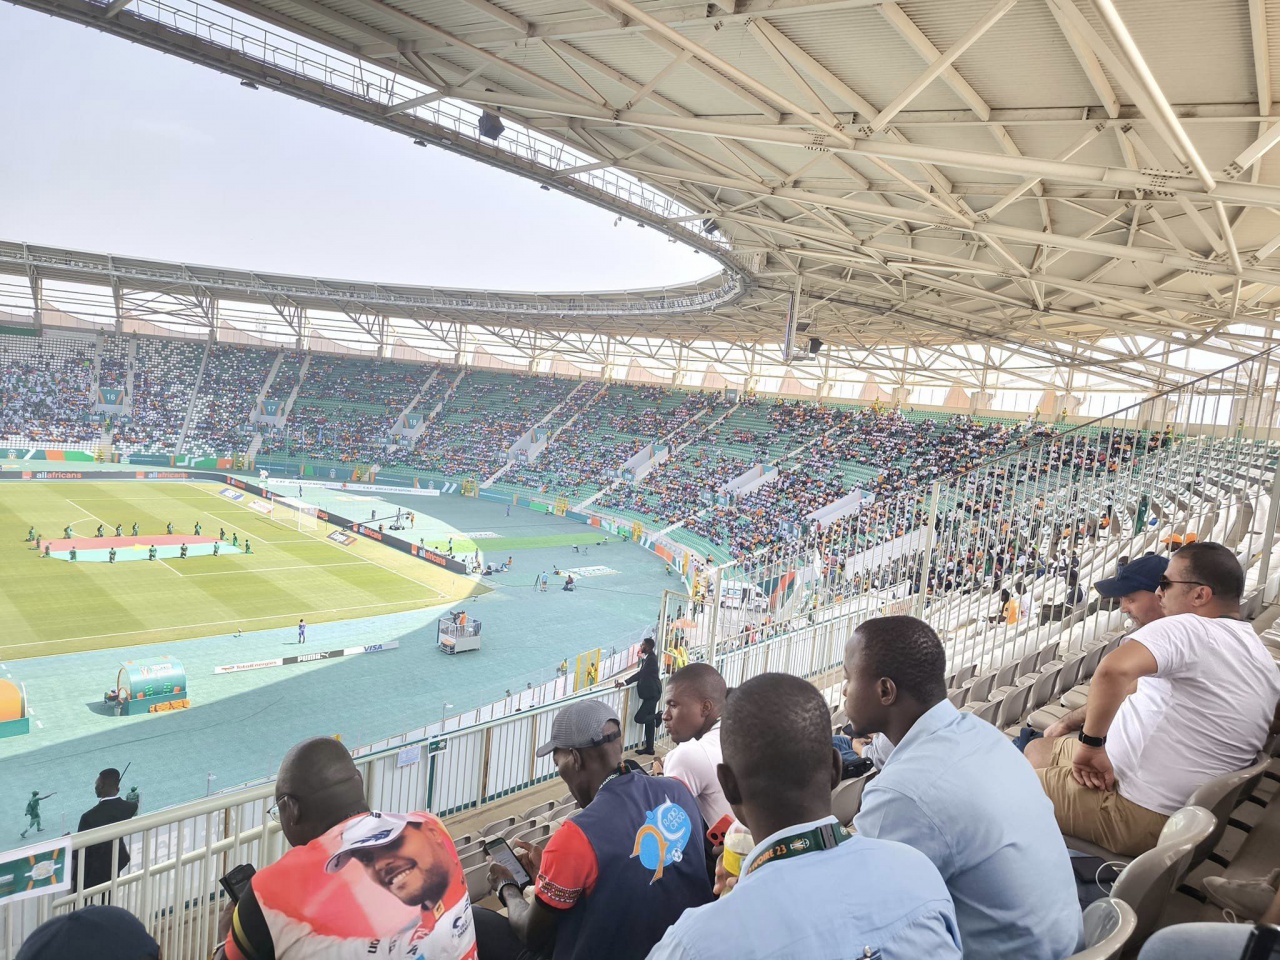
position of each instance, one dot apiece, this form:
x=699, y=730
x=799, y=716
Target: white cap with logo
x=368, y=832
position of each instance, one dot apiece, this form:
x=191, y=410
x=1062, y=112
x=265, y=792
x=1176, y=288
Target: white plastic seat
x=1108, y=925
x=846, y=798
x=1145, y=883
x=538, y=810
x=496, y=828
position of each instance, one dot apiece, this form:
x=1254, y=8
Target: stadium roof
x=1083, y=185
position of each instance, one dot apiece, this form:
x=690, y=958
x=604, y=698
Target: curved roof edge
x=394, y=300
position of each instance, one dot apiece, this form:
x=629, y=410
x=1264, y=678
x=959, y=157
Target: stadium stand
x=481, y=418
x=586, y=454
x=44, y=389
x=1025, y=511
x=164, y=379
x=233, y=377
x=287, y=377
x=345, y=409
x=113, y=361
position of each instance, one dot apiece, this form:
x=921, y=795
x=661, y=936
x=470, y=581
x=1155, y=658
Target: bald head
x=313, y=764
x=317, y=787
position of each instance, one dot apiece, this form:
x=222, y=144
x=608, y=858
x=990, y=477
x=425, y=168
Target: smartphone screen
x=502, y=853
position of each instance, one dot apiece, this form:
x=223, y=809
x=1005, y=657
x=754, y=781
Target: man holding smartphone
x=613, y=879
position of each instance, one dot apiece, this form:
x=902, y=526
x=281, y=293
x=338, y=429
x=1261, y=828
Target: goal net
x=295, y=513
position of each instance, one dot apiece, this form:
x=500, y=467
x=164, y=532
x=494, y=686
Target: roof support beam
x=675, y=38
x=764, y=35
x=1088, y=61
x=924, y=46
x=502, y=16
x=1261, y=54
x=941, y=63
x=679, y=60
x=1114, y=178
x=428, y=29
x=794, y=53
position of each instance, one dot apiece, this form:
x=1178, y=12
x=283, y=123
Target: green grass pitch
x=49, y=606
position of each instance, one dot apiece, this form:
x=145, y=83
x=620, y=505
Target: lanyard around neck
x=823, y=837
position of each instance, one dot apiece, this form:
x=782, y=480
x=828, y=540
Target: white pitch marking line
x=39, y=724
x=220, y=623
x=301, y=566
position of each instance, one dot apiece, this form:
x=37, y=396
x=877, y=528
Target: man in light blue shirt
x=809, y=888
x=954, y=789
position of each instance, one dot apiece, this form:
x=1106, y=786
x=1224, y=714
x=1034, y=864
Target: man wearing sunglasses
x=1187, y=698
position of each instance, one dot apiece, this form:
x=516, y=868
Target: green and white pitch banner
x=35, y=870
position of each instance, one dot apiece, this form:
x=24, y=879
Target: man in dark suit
x=649, y=689
x=110, y=809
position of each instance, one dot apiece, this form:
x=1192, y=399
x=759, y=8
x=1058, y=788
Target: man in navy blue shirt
x=611, y=880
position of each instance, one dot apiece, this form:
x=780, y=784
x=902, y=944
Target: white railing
x=179, y=854
x=1042, y=520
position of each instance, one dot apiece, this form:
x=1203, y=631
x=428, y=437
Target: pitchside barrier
x=178, y=854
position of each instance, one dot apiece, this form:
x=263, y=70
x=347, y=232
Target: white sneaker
x=1247, y=899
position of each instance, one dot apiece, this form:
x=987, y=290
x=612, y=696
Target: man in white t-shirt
x=1187, y=698
x=695, y=700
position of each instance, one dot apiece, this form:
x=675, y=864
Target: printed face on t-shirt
x=413, y=867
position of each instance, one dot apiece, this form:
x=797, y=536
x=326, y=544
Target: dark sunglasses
x=1166, y=583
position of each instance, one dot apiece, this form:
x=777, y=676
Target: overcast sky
x=112, y=147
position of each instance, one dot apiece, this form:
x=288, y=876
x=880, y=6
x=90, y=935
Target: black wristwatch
x=1089, y=741
x=502, y=886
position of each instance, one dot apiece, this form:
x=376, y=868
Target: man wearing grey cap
x=613, y=879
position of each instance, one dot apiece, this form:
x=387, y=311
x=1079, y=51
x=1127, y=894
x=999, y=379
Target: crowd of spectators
x=587, y=454
x=345, y=410
x=45, y=388
x=328, y=433
x=287, y=376
x=676, y=490
x=113, y=361
x=164, y=376
x=361, y=381
x=481, y=418
x=233, y=376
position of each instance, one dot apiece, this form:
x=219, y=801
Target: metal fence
x=1000, y=557
x=1198, y=462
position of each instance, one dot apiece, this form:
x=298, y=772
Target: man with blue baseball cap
x=1134, y=585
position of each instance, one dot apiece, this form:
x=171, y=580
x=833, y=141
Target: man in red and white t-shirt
x=695, y=700
x=406, y=898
